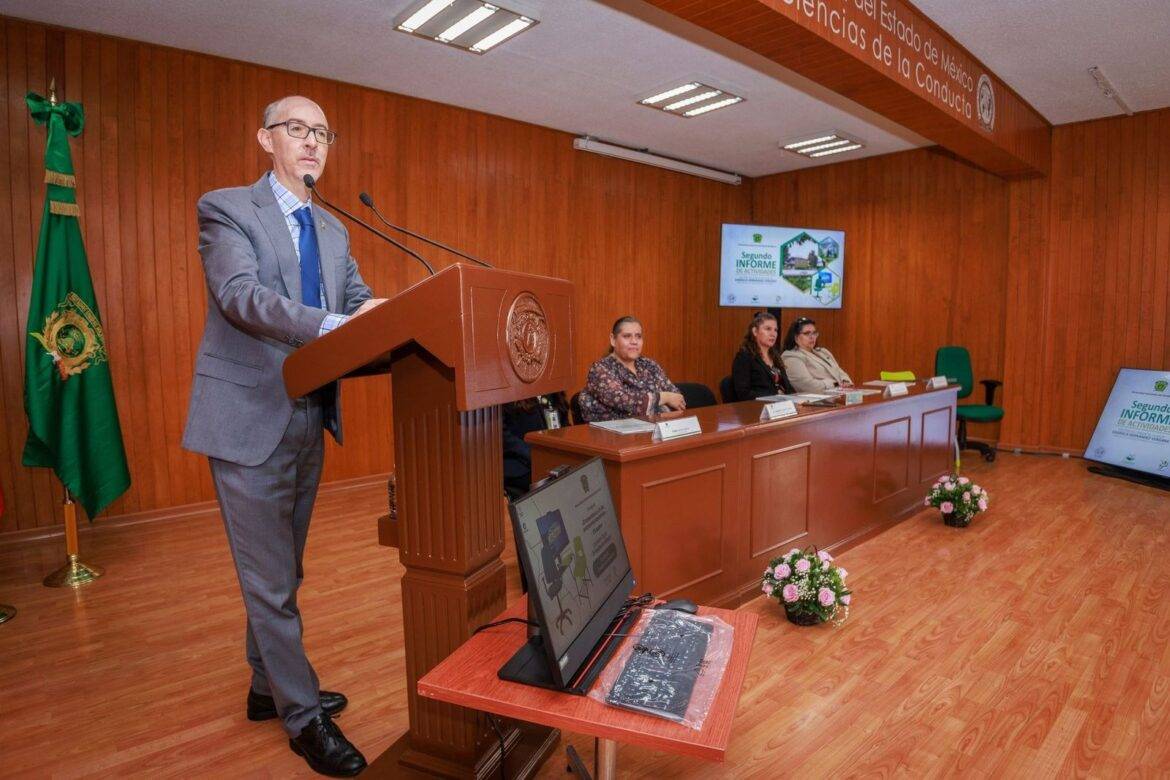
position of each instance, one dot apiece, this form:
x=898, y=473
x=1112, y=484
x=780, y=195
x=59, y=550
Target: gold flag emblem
x=72, y=337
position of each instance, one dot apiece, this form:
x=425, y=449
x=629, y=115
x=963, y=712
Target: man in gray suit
x=279, y=274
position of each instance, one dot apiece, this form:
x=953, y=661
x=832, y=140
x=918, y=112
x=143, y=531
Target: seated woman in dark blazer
x=624, y=383
x=758, y=368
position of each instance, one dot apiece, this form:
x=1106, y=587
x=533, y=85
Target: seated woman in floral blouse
x=625, y=384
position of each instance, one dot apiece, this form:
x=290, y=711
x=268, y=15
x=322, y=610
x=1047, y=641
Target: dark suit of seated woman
x=519, y=419
x=757, y=369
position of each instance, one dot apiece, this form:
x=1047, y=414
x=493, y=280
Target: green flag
x=68, y=394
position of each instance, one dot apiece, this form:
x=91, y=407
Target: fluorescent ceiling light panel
x=587, y=144
x=502, y=34
x=696, y=96
x=838, y=150
x=466, y=23
x=653, y=99
x=424, y=15
x=799, y=144
x=476, y=26
x=692, y=100
x=822, y=145
x=829, y=145
x=712, y=106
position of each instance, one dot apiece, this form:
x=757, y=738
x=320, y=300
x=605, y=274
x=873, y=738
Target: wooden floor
x=1034, y=643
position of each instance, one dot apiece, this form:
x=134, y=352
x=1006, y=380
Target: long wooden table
x=703, y=515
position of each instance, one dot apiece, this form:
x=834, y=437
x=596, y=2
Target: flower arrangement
x=809, y=586
x=958, y=498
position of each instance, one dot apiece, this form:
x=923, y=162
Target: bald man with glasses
x=279, y=274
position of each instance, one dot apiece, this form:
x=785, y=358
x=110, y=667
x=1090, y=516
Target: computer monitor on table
x=569, y=545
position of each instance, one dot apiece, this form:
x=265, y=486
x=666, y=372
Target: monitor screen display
x=764, y=265
x=1133, y=430
x=570, y=545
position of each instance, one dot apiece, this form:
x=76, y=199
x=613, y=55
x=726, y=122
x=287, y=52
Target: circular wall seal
x=985, y=101
x=526, y=333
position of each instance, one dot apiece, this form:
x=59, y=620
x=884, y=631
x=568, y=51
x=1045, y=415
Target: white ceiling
x=580, y=70
x=584, y=66
x=1043, y=49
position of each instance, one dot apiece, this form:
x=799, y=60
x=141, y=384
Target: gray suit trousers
x=266, y=511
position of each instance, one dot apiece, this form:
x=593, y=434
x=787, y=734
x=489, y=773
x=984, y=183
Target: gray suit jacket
x=239, y=408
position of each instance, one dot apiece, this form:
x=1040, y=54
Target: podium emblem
x=527, y=335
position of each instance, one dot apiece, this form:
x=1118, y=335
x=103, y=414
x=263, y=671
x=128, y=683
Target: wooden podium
x=458, y=344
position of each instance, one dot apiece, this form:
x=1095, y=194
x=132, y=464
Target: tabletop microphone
x=368, y=201
x=312, y=185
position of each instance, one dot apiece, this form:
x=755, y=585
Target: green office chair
x=898, y=376
x=955, y=364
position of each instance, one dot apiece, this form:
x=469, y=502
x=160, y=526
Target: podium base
x=525, y=755
x=6, y=613
x=73, y=574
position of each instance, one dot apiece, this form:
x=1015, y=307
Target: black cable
x=502, y=622
x=500, y=734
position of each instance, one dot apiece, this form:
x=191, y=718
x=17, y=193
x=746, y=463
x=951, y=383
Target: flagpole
x=74, y=573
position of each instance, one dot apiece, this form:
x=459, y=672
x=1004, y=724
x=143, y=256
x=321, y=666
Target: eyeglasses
x=810, y=333
x=297, y=129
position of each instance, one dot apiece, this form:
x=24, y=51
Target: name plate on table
x=778, y=410
x=853, y=397
x=936, y=383
x=895, y=389
x=673, y=429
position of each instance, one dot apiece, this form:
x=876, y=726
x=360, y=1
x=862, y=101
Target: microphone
x=368, y=201
x=312, y=185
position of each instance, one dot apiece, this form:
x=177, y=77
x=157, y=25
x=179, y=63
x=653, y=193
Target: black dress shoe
x=261, y=707
x=326, y=749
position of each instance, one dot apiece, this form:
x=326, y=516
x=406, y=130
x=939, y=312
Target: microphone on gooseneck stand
x=312, y=185
x=368, y=201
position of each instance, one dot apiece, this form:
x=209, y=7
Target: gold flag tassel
x=74, y=573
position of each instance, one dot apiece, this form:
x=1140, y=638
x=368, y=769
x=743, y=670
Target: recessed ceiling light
x=822, y=145
x=668, y=94
x=502, y=34
x=838, y=150
x=476, y=26
x=712, y=106
x=696, y=96
x=424, y=15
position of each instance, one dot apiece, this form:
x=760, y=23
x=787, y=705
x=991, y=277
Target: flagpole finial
x=53, y=91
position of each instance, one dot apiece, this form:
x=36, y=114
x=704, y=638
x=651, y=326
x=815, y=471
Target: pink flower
x=926, y=501
x=964, y=481
x=949, y=486
x=947, y=507
x=982, y=505
x=967, y=496
x=824, y=556
x=842, y=572
x=826, y=597
x=846, y=599
x=782, y=570
x=803, y=565
x=789, y=593
x=768, y=589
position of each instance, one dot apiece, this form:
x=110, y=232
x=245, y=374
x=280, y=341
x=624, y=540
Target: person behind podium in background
x=811, y=369
x=625, y=384
x=279, y=275
x=544, y=412
x=758, y=368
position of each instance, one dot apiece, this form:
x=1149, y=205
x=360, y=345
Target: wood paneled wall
x=1088, y=276
x=924, y=249
x=164, y=126
x=1053, y=284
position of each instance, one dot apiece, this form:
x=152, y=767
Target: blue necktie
x=310, y=259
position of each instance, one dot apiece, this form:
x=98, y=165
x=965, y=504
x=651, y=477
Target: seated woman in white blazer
x=810, y=369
